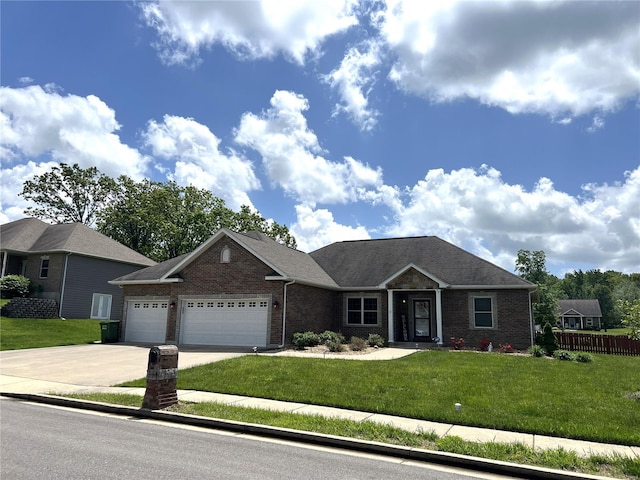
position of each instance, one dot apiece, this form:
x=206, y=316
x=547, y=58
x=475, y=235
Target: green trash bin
x=109, y=331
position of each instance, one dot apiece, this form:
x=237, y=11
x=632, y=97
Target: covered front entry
x=225, y=322
x=415, y=316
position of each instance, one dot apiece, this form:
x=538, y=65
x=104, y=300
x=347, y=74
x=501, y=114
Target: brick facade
x=316, y=309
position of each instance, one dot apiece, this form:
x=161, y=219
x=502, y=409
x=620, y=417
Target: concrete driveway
x=91, y=365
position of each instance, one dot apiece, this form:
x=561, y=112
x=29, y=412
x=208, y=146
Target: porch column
x=439, y=315
x=390, y=315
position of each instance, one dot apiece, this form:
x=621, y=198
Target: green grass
x=4, y=301
x=518, y=393
x=618, y=467
x=20, y=333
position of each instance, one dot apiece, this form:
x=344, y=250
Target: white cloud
x=353, y=80
x=293, y=158
x=25, y=80
x=12, y=206
x=199, y=161
x=70, y=129
x=249, y=29
x=557, y=58
x=596, y=124
x=314, y=229
x=480, y=212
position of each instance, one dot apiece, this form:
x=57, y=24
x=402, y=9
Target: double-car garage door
x=227, y=322
x=224, y=322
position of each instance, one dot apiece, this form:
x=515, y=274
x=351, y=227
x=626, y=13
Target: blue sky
x=494, y=125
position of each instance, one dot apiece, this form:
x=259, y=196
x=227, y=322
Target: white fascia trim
x=441, y=283
x=145, y=282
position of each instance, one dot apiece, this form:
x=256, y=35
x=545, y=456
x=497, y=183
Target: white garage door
x=146, y=321
x=240, y=323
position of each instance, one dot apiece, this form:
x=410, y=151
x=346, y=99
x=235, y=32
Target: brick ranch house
x=248, y=290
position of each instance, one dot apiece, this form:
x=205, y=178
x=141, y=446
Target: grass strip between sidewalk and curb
x=388, y=440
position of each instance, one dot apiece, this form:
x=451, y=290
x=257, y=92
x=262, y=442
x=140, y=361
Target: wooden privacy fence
x=611, y=344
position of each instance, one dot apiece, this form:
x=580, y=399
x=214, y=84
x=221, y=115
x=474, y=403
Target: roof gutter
x=145, y=282
x=284, y=313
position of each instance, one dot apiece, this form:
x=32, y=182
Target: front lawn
x=592, y=401
x=20, y=333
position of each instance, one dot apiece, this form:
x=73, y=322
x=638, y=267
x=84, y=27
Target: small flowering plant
x=506, y=348
x=457, y=344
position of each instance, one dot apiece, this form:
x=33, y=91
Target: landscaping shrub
x=334, y=346
x=506, y=348
x=537, y=351
x=483, y=344
x=358, y=344
x=301, y=340
x=584, y=357
x=14, y=286
x=375, y=340
x=548, y=339
x=329, y=336
x=563, y=355
x=457, y=344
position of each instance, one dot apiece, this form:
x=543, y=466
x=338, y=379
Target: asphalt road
x=45, y=442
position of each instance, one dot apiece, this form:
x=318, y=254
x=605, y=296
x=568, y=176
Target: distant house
x=579, y=314
x=69, y=263
x=248, y=290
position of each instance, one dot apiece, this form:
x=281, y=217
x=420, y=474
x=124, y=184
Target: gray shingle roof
x=369, y=263
x=30, y=235
x=357, y=264
x=584, y=307
x=286, y=262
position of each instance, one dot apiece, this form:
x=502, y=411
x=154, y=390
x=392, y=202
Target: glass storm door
x=422, y=318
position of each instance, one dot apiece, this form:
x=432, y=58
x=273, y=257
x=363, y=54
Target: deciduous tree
x=68, y=194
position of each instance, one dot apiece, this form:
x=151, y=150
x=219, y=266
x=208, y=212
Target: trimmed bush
x=584, y=357
x=302, y=340
x=537, y=351
x=563, y=355
x=375, y=340
x=335, y=346
x=358, y=344
x=329, y=336
x=14, y=286
x=548, y=339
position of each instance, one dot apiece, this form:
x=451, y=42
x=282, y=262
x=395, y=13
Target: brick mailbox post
x=162, y=377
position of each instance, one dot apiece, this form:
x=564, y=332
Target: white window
x=225, y=255
x=483, y=314
x=362, y=310
x=101, y=306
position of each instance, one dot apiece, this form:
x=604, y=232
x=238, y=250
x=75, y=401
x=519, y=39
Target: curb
x=396, y=451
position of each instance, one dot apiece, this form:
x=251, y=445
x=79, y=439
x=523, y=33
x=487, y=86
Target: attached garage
x=225, y=322
x=146, y=321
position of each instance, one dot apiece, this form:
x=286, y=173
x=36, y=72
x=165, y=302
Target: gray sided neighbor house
x=248, y=290
x=69, y=263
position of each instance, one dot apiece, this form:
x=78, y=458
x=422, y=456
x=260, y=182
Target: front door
x=422, y=318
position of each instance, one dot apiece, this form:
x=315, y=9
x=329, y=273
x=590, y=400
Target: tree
x=165, y=220
x=531, y=265
x=631, y=317
x=68, y=194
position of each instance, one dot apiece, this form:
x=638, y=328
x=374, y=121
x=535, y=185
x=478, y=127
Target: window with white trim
x=225, y=255
x=362, y=310
x=483, y=311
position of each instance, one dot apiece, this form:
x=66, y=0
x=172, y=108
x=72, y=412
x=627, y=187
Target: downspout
x=64, y=281
x=284, y=312
x=531, y=332
x=4, y=263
